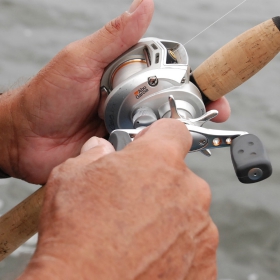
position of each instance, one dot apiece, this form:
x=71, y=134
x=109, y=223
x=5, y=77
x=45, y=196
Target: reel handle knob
x=250, y=159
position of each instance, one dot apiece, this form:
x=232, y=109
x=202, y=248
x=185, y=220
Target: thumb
x=120, y=34
x=94, y=149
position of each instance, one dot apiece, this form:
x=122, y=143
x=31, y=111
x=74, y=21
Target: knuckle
x=55, y=172
x=172, y=127
x=55, y=176
x=209, y=241
x=171, y=137
x=61, y=177
x=62, y=169
x=214, y=236
x=67, y=52
x=70, y=162
x=105, y=149
x=204, y=193
x=114, y=26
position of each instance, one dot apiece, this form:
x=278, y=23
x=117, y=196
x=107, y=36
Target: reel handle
x=250, y=159
x=238, y=60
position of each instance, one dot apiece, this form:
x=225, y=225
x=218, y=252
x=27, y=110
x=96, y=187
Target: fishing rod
x=219, y=19
x=153, y=80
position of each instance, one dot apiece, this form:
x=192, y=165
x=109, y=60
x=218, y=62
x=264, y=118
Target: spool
x=126, y=70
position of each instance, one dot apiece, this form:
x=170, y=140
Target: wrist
x=8, y=140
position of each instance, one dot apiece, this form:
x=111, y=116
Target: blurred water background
x=248, y=216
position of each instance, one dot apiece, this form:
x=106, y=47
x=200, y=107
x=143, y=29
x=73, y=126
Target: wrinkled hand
x=56, y=112
x=135, y=214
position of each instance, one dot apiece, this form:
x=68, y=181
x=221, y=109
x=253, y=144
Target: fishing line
x=215, y=22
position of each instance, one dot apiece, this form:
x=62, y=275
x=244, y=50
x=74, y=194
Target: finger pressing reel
x=152, y=80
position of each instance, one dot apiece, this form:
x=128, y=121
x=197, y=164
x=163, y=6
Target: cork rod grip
x=238, y=60
x=20, y=223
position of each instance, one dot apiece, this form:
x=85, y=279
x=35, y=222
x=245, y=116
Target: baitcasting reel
x=152, y=81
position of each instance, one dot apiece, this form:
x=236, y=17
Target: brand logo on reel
x=140, y=92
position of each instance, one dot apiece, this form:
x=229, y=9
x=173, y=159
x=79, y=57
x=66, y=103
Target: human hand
x=49, y=119
x=135, y=214
x=55, y=113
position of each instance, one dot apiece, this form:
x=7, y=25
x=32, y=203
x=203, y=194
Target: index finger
x=222, y=106
x=165, y=136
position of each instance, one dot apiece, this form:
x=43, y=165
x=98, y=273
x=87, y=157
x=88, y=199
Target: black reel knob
x=119, y=139
x=250, y=159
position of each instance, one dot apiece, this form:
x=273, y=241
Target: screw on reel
x=152, y=81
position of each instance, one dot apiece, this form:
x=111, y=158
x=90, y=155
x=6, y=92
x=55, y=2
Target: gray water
x=248, y=216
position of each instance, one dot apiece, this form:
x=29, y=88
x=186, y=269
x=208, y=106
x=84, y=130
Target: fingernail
x=91, y=143
x=135, y=4
x=97, y=142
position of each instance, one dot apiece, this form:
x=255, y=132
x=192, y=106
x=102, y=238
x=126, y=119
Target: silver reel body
x=140, y=81
x=152, y=81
